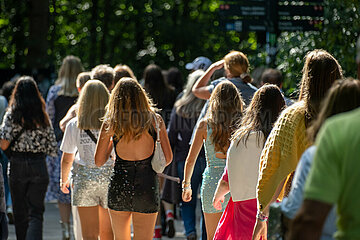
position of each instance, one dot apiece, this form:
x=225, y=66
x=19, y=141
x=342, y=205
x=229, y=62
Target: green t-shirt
x=335, y=175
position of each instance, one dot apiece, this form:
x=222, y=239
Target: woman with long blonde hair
x=129, y=128
x=60, y=98
x=90, y=183
x=214, y=131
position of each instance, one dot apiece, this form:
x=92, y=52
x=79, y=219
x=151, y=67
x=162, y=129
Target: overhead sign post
x=272, y=17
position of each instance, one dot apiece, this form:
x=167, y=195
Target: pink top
x=225, y=176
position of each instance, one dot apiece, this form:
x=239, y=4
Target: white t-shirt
x=243, y=167
x=78, y=140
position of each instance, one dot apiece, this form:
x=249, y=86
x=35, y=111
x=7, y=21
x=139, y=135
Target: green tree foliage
x=168, y=33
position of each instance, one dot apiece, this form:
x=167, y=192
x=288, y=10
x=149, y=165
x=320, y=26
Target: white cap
x=199, y=63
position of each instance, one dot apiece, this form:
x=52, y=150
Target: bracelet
x=261, y=216
x=187, y=188
x=185, y=184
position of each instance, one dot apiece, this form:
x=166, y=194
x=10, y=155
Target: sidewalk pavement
x=52, y=230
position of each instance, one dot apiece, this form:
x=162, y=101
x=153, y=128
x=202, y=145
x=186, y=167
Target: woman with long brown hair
x=129, y=128
x=288, y=139
x=225, y=108
x=27, y=131
x=241, y=175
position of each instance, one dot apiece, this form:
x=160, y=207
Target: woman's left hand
x=217, y=201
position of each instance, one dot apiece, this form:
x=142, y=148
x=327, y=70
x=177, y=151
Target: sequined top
x=39, y=140
x=213, y=172
x=282, y=151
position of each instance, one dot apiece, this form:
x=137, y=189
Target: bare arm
x=67, y=160
x=104, y=147
x=219, y=196
x=200, y=88
x=200, y=135
x=309, y=221
x=4, y=144
x=165, y=143
x=71, y=113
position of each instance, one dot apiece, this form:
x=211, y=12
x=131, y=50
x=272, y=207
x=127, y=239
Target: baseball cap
x=199, y=63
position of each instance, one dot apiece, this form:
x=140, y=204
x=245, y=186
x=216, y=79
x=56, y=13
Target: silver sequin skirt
x=90, y=186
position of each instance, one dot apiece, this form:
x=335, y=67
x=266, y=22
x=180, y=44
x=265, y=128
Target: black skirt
x=134, y=187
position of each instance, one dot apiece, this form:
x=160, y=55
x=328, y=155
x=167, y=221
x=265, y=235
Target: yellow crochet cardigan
x=283, y=149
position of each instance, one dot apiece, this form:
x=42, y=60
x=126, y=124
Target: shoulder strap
x=157, y=128
x=91, y=135
x=16, y=138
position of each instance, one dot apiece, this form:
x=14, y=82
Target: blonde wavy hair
x=92, y=101
x=237, y=63
x=224, y=112
x=70, y=68
x=130, y=111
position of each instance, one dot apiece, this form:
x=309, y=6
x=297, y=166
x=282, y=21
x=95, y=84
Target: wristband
x=261, y=216
x=185, y=184
x=187, y=188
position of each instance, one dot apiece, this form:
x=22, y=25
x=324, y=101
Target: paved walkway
x=52, y=230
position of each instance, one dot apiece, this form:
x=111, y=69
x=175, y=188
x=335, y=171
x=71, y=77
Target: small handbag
x=158, y=162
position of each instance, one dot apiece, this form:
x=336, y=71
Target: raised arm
x=104, y=147
x=200, y=136
x=200, y=88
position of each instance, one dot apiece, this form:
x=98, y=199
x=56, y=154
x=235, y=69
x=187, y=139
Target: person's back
x=333, y=178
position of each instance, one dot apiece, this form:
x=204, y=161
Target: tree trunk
x=39, y=27
x=93, y=33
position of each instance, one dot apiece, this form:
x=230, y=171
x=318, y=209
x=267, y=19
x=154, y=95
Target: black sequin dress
x=134, y=186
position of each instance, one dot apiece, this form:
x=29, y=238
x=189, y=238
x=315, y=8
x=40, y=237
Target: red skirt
x=237, y=221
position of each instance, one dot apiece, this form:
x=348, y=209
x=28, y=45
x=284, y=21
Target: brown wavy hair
x=343, y=96
x=224, y=112
x=260, y=116
x=320, y=71
x=130, y=111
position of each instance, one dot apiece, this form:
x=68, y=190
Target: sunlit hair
x=104, y=73
x=343, y=96
x=130, y=111
x=261, y=114
x=225, y=109
x=319, y=72
x=82, y=78
x=27, y=106
x=189, y=106
x=123, y=71
x=68, y=72
x=237, y=64
x=92, y=101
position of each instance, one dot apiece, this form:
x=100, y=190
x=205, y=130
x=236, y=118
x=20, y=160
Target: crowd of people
x=245, y=146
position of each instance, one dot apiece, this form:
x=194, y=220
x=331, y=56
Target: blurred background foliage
x=37, y=34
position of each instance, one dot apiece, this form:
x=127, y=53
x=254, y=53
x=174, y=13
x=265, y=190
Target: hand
x=218, y=65
x=64, y=187
x=186, y=195
x=260, y=230
x=217, y=201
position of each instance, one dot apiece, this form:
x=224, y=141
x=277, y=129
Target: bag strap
x=157, y=128
x=91, y=135
x=15, y=138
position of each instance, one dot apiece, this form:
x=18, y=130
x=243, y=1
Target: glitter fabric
x=213, y=172
x=91, y=185
x=134, y=186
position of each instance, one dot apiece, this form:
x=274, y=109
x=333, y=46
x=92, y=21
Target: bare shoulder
x=202, y=125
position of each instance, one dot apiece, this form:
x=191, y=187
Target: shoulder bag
x=158, y=161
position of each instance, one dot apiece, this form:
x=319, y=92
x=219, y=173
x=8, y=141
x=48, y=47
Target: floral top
x=40, y=140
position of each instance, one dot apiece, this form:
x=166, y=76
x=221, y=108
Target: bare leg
x=106, y=232
x=143, y=224
x=65, y=212
x=89, y=219
x=211, y=222
x=120, y=222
